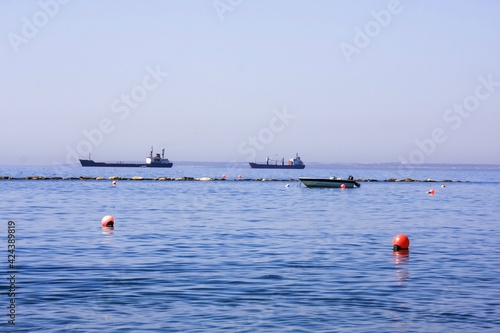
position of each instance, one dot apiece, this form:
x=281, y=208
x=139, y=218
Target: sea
x=257, y=252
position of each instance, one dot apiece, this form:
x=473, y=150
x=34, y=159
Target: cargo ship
x=151, y=162
x=293, y=163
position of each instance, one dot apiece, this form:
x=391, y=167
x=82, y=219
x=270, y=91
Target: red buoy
x=108, y=221
x=400, y=242
x=239, y=177
x=431, y=191
x=223, y=176
x=114, y=182
x=342, y=185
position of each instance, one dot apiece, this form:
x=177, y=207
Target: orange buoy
x=342, y=185
x=431, y=192
x=108, y=221
x=400, y=243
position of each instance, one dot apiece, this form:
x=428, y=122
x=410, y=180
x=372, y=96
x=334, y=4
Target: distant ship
x=151, y=162
x=293, y=163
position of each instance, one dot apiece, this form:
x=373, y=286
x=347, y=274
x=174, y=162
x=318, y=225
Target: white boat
x=332, y=182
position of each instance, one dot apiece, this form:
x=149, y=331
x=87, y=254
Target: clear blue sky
x=239, y=80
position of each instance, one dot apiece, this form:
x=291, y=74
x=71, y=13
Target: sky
x=238, y=80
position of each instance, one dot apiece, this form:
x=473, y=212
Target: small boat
x=151, y=162
x=293, y=163
x=329, y=182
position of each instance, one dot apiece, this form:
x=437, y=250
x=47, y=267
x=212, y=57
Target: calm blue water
x=252, y=256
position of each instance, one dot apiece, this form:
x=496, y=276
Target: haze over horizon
x=233, y=80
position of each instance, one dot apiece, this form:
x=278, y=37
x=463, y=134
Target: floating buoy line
x=222, y=178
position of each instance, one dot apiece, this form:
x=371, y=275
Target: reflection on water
x=400, y=259
x=108, y=233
